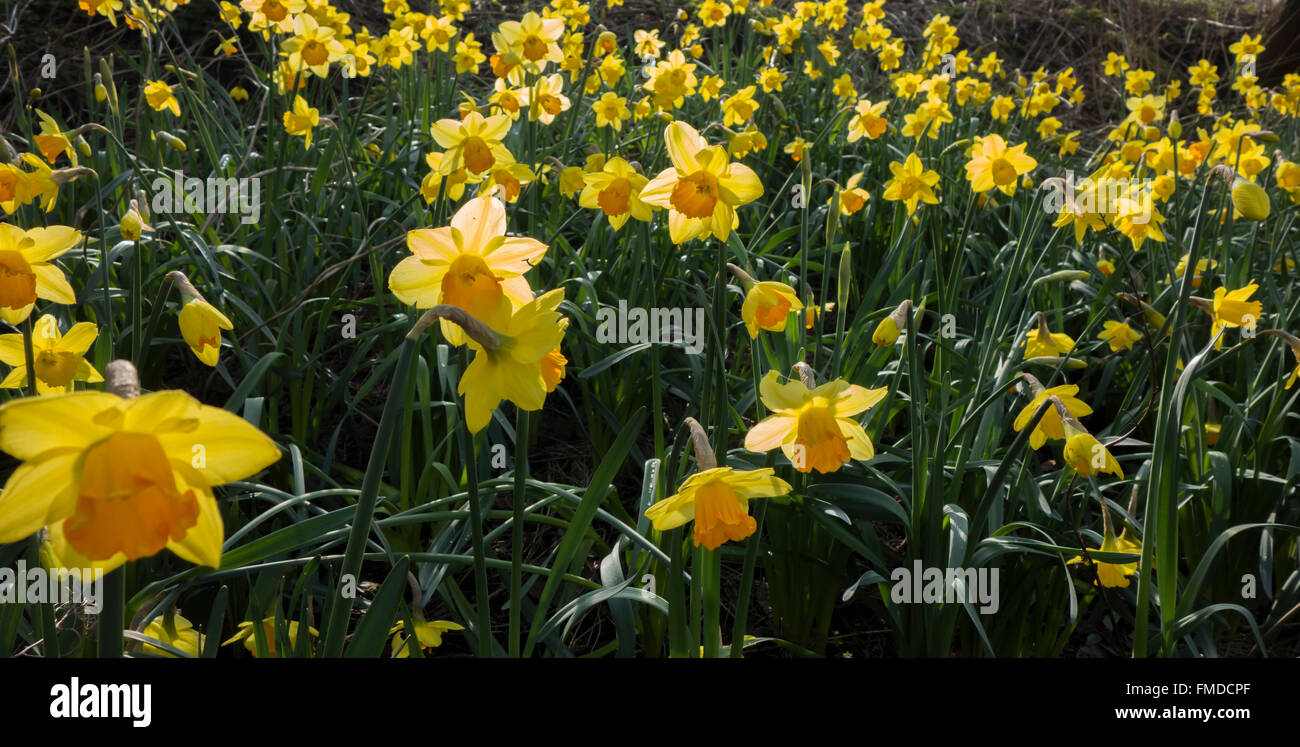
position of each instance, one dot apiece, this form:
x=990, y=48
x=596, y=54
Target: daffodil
x=119, y=479
x=611, y=109
x=59, y=359
x=717, y=500
x=1079, y=210
x=312, y=46
x=1118, y=335
x=912, y=183
x=767, y=306
x=1294, y=343
x=514, y=363
x=1137, y=218
x=1202, y=266
x=1230, y=309
x=889, y=328
x=200, y=322
x=702, y=189
x=470, y=264
x=505, y=179
x=301, y=120
x=814, y=427
x=51, y=140
x=249, y=637
x=1044, y=342
x=27, y=271
x=671, y=81
x=450, y=185
x=1249, y=200
x=532, y=41
x=180, y=635
x=473, y=143
x=868, y=120
x=1050, y=426
x=740, y=107
x=159, y=96
x=1113, y=575
x=616, y=191
x=993, y=164
x=1086, y=454
x=132, y=224
x=546, y=100
x=427, y=633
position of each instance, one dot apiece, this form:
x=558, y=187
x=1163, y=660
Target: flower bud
x=887, y=331
x=1250, y=200
x=171, y=140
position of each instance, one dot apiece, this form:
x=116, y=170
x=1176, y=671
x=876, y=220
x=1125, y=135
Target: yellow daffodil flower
x=427, y=633
x=1113, y=575
x=247, y=635
x=1043, y=342
x=740, y=107
x=815, y=427
x=51, y=140
x=767, y=306
x=159, y=96
x=473, y=143
x=27, y=271
x=1087, y=455
x=912, y=183
x=616, y=191
x=717, y=500
x=993, y=164
x=1050, y=425
x=301, y=120
x=312, y=46
x=181, y=635
x=59, y=358
x=470, y=264
x=890, y=327
x=532, y=41
x=702, y=189
x=1118, y=335
x=545, y=99
x=611, y=109
x=516, y=369
x=1231, y=309
x=1249, y=200
x=868, y=120
x=119, y=479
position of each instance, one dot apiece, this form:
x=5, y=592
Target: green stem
x=111, y=617
x=517, y=530
x=336, y=625
x=483, y=626
x=29, y=355
x=712, y=588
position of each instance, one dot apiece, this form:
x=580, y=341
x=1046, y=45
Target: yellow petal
x=31, y=427
x=771, y=433
x=38, y=492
